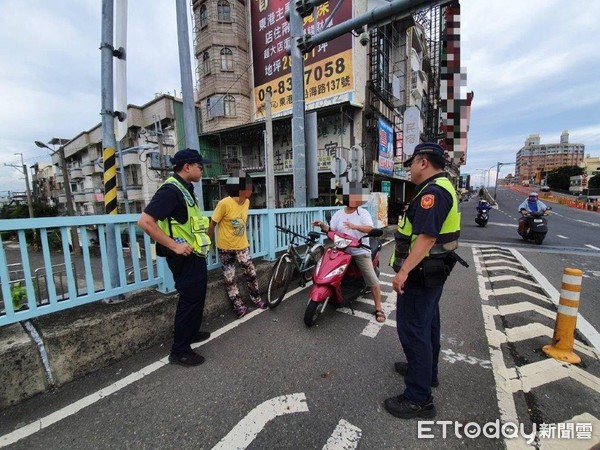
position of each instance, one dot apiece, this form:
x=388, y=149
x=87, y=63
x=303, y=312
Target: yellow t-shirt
x=231, y=218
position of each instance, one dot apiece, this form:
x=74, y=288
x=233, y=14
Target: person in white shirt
x=357, y=222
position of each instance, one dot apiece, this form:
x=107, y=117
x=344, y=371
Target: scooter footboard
x=320, y=293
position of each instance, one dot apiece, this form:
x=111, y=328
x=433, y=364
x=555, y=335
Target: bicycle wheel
x=311, y=262
x=279, y=280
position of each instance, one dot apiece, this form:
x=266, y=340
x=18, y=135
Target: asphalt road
x=270, y=382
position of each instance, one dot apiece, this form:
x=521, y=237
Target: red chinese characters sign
x=327, y=68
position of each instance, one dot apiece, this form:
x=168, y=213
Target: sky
x=533, y=65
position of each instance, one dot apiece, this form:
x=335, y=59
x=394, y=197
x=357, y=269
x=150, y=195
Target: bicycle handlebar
x=293, y=233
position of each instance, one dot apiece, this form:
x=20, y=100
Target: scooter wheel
x=313, y=311
x=538, y=239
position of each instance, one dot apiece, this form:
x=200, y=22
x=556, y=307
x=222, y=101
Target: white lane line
x=592, y=247
x=69, y=410
x=590, y=333
x=495, y=337
x=561, y=236
x=246, y=430
x=345, y=437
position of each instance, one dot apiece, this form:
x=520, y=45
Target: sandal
x=379, y=316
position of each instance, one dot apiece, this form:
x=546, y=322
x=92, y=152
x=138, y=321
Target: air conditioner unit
x=416, y=94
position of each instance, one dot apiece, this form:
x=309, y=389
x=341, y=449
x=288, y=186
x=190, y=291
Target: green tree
x=561, y=178
x=594, y=182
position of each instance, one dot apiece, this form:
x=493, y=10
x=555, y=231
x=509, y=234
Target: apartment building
x=535, y=160
x=384, y=97
x=151, y=139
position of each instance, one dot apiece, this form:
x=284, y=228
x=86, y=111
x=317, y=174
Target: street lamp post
x=67, y=187
x=497, y=172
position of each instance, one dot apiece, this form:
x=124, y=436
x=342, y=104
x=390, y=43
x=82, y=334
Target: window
x=208, y=110
x=229, y=106
x=226, y=59
x=203, y=16
x=224, y=11
x=206, y=63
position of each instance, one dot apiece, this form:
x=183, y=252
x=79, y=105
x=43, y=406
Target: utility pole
x=28, y=189
x=67, y=188
x=497, y=172
x=189, y=106
x=269, y=164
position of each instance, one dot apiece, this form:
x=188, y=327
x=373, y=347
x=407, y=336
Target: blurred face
x=247, y=191
x=533, y=198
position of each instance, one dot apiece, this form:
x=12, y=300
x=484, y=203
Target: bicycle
x=292, y=261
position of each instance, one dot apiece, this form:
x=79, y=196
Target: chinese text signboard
x=328, y=68
x=386, y=147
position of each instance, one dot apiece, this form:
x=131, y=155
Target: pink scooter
x=336, y=277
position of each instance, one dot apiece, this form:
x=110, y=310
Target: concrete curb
x=81, y=340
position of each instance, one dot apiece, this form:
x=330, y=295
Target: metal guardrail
x=66, y=280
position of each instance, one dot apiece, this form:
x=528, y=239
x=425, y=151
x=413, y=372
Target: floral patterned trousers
x=228, y=259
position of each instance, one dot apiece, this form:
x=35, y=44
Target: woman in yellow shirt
x=231, y=215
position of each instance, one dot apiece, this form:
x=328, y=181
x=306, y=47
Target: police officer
x=174, y=220
x=426, y=235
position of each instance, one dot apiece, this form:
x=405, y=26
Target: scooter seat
x=375, y=245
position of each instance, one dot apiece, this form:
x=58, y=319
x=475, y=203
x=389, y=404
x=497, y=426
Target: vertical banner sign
x=121, y=68
x=386, y=147
x=411, y=130
x=455, y=105
x=328, y=71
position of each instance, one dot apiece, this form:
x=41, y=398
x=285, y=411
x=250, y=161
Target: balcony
x=79, y=197
x=76, y=173
x=130, y=158
x=87, y=169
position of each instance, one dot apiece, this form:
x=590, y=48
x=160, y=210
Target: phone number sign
x=328, y=68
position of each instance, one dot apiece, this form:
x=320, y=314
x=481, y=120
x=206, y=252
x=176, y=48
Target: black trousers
x=418, y=325
x=190, y=277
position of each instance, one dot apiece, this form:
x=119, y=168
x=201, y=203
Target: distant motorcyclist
x=531, y=205
x=483, y=205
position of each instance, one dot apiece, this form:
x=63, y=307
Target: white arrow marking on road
x=587, y=329
x=517, y=290
x=549, y=370
x=535, y=330
x=524, y=272
x=561, y=236
x=344, y=437
x=504, y=260
x=592, y=247
x=242, y=435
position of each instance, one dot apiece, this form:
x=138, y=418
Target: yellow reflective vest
x=195, y=230
x=448, y=237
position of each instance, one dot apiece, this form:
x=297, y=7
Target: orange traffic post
x=566, y=319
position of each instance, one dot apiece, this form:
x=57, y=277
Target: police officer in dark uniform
x=425, y=239
x=174, y=220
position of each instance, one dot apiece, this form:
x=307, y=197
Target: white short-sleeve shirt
x=359, y=217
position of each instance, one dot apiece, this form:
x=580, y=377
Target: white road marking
x=592, y=247
x=451, y=356
x=246, y=430
x=512, y=225
x=345, y=437
x=561, y=236
x=69, y=410
x=587, y=329
x=506, y=404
